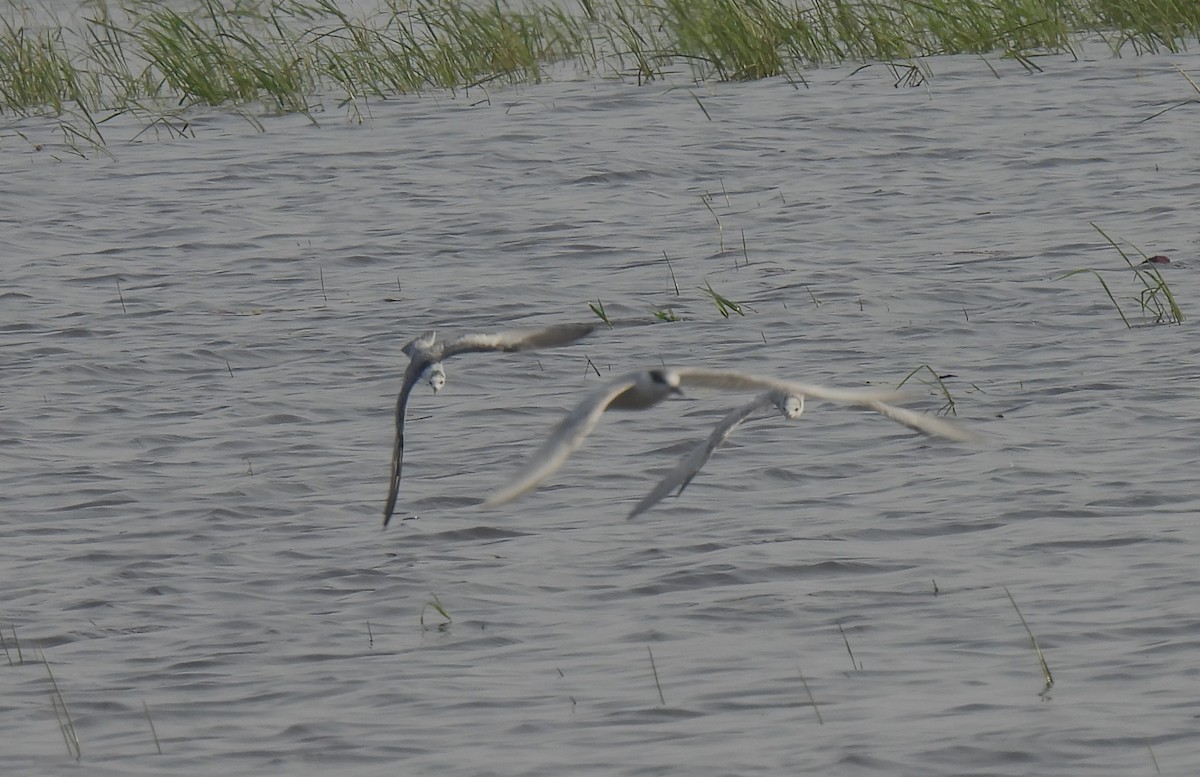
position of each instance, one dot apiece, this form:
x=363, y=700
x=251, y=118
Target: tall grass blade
x=853, y=663
x=1107, y=291
x=657, y=684
x=598, y=308
x=947, y=409
x=435, y=604
x=65, y=724
x=724, y=304
x=1049, y=678
x=153, y=731
x=811, y=700
x=1153, y=284
x=671, y=270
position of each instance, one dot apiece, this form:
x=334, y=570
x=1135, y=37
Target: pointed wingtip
x=926, y=423
x=389, y=506
x=497, y=500
x=506, y=495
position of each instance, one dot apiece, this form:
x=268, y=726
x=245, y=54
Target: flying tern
x=644, y=389
x=426, y=355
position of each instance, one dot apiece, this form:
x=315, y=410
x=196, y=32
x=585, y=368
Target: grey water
x=200, y=345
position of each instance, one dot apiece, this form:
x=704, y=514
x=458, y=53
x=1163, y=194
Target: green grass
x=1047, y=677
x=209, y=57
x=671, y=270
x=1181, y=103
x=263, y=57
x=36, y=69
x=724, y=305
x=598, y=308
x=435, y=604
x=1156, y=300
x=938, y=384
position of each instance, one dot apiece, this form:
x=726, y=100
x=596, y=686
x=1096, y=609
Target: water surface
x=201, y=343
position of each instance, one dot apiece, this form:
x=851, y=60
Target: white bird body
x=640, y=390
x=425, y=356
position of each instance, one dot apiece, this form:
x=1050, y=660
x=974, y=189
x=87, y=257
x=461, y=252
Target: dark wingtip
x=389, y=506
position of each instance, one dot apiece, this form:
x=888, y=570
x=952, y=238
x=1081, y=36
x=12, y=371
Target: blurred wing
x=874, y=399
x=740, y=381
x=519, y=340
x=411, y=375
x=422, y=344
x=924, y=423
x=568, y=435
x=694, y=461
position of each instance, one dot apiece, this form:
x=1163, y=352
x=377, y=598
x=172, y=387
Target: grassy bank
x=286, y=56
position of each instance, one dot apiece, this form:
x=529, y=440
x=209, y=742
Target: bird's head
x=436, y=376
x=667, y=380
x=792, y=406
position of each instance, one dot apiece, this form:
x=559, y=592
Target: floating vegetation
x=1157, y=302
x=257, y=57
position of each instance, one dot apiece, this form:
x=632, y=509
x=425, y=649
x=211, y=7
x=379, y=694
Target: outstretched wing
x=689, y=465
x=739, y=381
x=933, y=425
x=412, y=374
x=568, y=435
x=422, y=345
x=873, y=399
x=518, y=340
x=424, y=351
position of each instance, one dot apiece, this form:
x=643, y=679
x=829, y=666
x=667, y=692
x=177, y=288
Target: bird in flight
x=640, y=390
x=426, y=355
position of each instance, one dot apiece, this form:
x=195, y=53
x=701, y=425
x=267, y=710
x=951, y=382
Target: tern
x=640, y=390
x=425, y=356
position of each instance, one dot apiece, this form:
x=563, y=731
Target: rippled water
x=201, y=340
